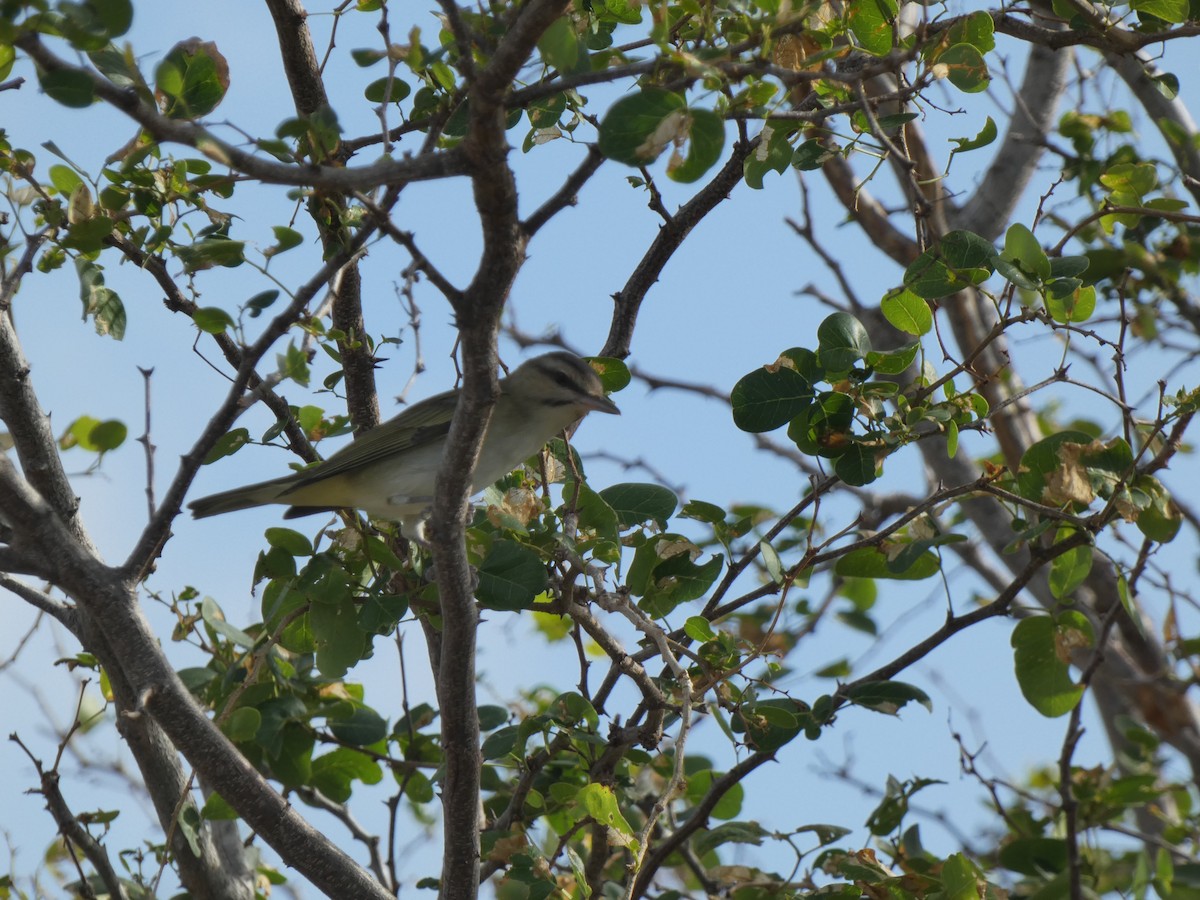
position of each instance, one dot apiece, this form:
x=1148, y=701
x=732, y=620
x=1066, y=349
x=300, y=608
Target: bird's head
x=558, y=380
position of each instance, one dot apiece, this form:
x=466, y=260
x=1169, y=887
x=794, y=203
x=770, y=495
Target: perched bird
x=389, y=472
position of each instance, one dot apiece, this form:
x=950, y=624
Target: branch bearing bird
x=389, y=472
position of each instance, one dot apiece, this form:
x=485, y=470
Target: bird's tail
x=240, y=498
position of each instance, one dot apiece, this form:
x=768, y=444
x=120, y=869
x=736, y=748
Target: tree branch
x=485, y=148
x=628, y=300
x=991, y=206
x=425, y=167
x=154, y=537
x=70, y=828
x=19, y=408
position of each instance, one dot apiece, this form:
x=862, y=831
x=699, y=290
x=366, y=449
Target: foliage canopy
x=1023, y=171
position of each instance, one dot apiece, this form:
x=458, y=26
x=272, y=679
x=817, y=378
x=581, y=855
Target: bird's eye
x=562, y=379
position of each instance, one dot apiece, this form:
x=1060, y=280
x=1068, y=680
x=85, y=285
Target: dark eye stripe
x=554, y=368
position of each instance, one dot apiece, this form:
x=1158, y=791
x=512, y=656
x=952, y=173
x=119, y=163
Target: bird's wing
x=423, y=423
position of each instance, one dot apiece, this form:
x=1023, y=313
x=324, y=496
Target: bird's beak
x=601, y=404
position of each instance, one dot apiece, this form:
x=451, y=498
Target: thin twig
x=147, y=444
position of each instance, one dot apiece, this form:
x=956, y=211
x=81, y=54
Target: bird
x=389, y=471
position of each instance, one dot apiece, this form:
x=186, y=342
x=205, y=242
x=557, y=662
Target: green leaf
x=771, y=561
x=771, y=724
x=888, y=816
x=212, y=319
x=285, y=239
x=812, y=154
x=1069, y=569
x=361, y=728
x=892, y=362
x=214, y=618
x=572, y=708
x=210, y=252
x=379, y=614
x=1173, y=11
x=340, y=643
x=65, y=179
x=367, y=56
x=387, y=90
x=116, y=15
x=228, y=444
x=856, y=465
x=826, y=427
x=637, y=128
x=192, y=79
x=216, y=807
x=976, y=29
x=708, y=839
x=1133, y=179
x=559, y=45
x=872, y=22
x=889, y=123
x=188, y=821
x=108, y=435
x=8, y=56
x=1034, y=856
x=418, y=788
x=1043, y=475
x=699, y=629
x=965, y=250
x=1077, y=306
x=870, y=562
x=986, y=135
x=68, y=87
x=600, y=803
x=88, y=235
x=1166, y=82
x=293, y=364
x=625, y=12
x=907, y=312
x=334, y=773
x=293, y=763
x=678, y=580
x=492, y=717
x=500, y=743
x=261, y=301
x=887, y=697
x=770, y=397
x=595, y=515
x=843, y=342
x=103, y=305
x=511, y=577
x=638, y=503
x=1161, y=519
x=242, y=724
x=966, y=68
x=1068, y=266
x=95, y=436
x=1022, y=248
x=706, y=141
x=960, y=879
x=1042, y=649
x=961, y=259
x=702, y=511
x=614, y=374
x=289, y=541
x=773, y=154
x=78, y=434
x=729, y=806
